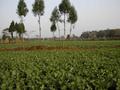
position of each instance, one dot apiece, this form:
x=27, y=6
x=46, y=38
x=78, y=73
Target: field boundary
x=40, y=47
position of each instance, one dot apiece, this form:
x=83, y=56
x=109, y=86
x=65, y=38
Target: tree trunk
x=21, y=34
x=39, y=26
x=64, y=26
x=21, y=21
x=53, y=35
x=12, y=35
x=20, y=37
x=58, y=30
x=70, y=29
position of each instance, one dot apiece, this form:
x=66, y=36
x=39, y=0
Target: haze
x=92, y=15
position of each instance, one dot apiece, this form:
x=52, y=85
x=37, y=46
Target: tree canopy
x=55, y=17
x=12, y=28
x=20, y=29
x=64, y=6
x=102, y=34
x=72, y=15
x=53, y=27
x=38, y=7
x=22, y=8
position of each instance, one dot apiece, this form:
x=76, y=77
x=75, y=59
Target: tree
x=11, y=28
x=38, y=10
x=85, y=35
x=5, y=34
x=20, y=29
x=53, y=29
x=102, y=34
x=22, y=9
x=55, y=18
x=72, y=18
x=64, y=8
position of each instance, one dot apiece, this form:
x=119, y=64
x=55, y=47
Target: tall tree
x=72, y=18
x=38, y=10
x=55, y=18
x=53, y=29
x=64, y=8
x=22, y=9
x=11, y=28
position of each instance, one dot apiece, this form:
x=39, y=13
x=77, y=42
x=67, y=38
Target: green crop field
x=85, y=65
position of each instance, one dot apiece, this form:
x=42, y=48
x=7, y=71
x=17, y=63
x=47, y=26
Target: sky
x=92, y=15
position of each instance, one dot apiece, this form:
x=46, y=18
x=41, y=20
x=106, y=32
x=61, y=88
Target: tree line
x=102, y=34
x=65, y=9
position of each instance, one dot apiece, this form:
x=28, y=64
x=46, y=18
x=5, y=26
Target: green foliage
x=12, y=28
x=64, y=7
x=102, y=34
x=55, y=17
x=97, y=69
x=53, y=27
x=20, y=28
x=72, y=15
x=38, y=7
x=59, y=70
x=22, y=8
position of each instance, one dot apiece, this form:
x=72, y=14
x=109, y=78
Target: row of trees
x=102, y=34
x=19, y=28
x=65, y=9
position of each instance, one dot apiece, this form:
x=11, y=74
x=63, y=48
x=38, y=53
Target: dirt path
x=35, y=48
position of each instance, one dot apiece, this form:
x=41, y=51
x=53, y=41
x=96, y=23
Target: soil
x=34, y=48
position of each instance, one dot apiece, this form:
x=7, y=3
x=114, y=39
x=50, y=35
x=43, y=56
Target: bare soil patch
x=35, y=48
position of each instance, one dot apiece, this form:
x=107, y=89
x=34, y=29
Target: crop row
x=60, y=70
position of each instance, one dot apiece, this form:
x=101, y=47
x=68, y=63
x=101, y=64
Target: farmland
x=60, y=65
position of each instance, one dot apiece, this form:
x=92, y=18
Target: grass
x=80, y=44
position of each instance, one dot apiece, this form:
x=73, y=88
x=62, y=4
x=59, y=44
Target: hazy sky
x=92, y=15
